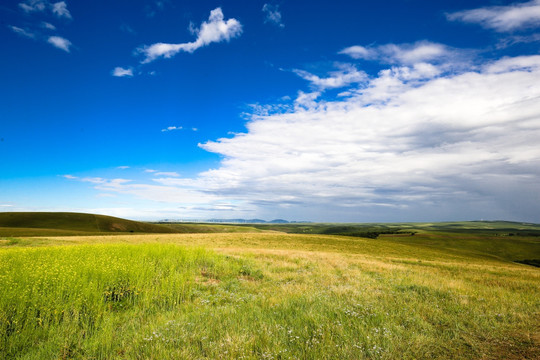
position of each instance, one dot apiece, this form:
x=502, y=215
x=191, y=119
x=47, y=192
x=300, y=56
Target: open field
x=269, y=296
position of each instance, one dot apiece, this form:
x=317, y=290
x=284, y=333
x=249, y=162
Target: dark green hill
x=64, y=223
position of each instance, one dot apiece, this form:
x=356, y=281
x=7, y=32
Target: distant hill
x=65, y=223
x=234, y=221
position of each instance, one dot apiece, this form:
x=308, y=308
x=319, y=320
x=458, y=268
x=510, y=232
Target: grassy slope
x=35, y=224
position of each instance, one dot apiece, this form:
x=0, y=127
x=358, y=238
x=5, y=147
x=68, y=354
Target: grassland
x=16, y=224
x=442, y=295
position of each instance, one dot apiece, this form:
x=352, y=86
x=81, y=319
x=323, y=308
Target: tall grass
x=263, y=296
x=75, y=298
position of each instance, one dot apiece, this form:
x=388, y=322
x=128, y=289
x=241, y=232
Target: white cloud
x=167, y=173
x=421, y=51
x=453, y=146
x=272, y=15
x=33, y=6
x=121, y=72
x=150, y=171
x=93, y=180
x=22, y=32
x=48, y=26
x=171, y=128
x=60, y=42
x=519, y=63
x=123, y=167
x=215, y=30
x=60, y=9
x=460, y=145
x=346, y=75
x=502, y=18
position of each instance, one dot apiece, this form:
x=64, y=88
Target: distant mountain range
x=236, y=221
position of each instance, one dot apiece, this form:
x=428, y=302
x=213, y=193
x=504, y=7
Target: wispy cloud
x=121, y=72
x=123, y=167
x=171, y=128
x=127, y=29
x=23, y=32
x=33, y=6
x=345, y=75
x=60, y=43
x=502, y=18
x=156, y=6
x=422, y=51
x=216, y=29
x=47, y=25
x=60, y=9
x=272, y=15
x=167, y=173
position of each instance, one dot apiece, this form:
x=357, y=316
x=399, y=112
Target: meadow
x=270, y=295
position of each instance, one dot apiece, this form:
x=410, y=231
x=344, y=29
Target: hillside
x=65, y=223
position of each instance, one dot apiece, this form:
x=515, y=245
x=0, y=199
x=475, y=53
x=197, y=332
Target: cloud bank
x=216, y=29
x=464, y=141
x=459, y=145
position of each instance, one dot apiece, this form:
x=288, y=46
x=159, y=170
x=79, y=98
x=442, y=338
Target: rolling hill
x=65, y=223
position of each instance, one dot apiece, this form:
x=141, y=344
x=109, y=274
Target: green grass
x=269, y=296
x=205, y=228
x=371, y=230
x=75, y=224
x=51, y=223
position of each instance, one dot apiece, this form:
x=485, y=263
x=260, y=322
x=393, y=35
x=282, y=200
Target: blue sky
x=305, y=110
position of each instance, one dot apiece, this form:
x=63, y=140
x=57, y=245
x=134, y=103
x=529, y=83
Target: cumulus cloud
x=60, y=43
x=216, y=29
x=460, y=145
x=60, y=9
x=422, y=51
x=457, y=145
x=272, y=15
x=121, y=72
x=502, y=18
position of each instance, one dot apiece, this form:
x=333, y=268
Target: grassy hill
x=65, y=223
